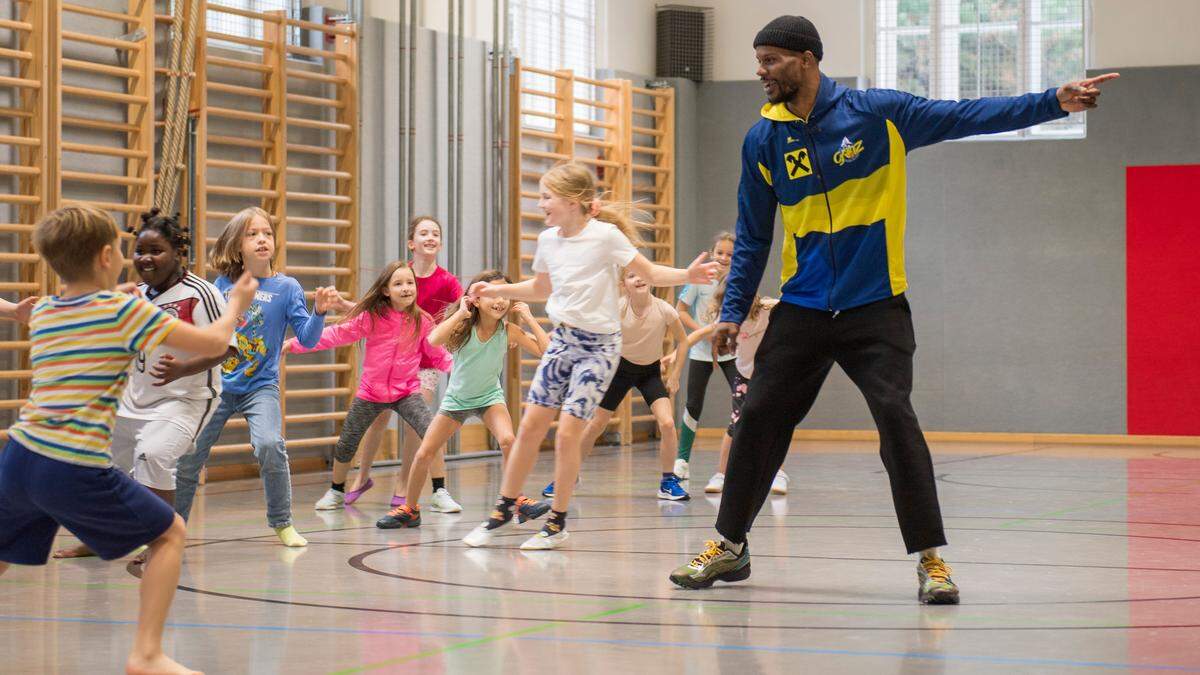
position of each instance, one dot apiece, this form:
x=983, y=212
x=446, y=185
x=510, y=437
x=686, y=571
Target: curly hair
x=168, y=226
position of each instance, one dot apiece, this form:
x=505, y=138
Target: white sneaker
x=544, y=542
x=480, y=536
x=779, y=485
x=681, y=469
x=715, y=484
x=442, y=502
x=332, y=500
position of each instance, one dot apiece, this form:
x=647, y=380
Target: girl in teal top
x=480, y=338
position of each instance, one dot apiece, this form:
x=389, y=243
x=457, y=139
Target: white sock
x=730, y=546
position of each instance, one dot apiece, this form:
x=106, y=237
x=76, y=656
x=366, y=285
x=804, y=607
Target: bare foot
x=79, y=551
x=158, y=665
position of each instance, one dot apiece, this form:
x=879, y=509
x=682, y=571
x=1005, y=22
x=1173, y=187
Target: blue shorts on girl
x=575, y=371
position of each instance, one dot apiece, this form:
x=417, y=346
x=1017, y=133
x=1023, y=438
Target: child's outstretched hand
x=700, y=272
x=481, y=289
x=326, y=297
x=24, y=308
x=168, y=369
x=242, y=293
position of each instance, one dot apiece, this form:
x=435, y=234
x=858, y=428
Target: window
x=953, y=49
x=241, y=26
x=555, y=35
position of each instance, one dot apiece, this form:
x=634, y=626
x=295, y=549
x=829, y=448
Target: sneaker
x=353, y=495
x=550, y=537
x=527, y=509
x=715, y=484
x=779, y=485
x=935, y=585
x=715, y=563
x=397, y=501
x=442, y=502
x=669, y=488
x=481, y=535
x=401, y=516
x=332, y=500
x=548, y=493
x=681, y=469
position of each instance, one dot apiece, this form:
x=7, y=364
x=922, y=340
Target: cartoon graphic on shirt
x=251, y=348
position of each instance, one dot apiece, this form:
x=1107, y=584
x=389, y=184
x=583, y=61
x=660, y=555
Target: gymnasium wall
x=1016, y=258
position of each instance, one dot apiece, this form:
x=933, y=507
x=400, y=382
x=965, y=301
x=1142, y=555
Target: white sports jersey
x=199, y=303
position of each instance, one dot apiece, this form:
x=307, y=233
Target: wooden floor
x=1069, y=559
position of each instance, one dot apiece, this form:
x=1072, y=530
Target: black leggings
x=698, y=374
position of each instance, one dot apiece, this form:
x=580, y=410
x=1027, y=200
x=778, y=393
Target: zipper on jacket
x=816, y=162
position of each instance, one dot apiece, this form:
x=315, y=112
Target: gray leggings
x=411, y=409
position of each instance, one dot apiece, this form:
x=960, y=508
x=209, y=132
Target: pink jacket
x=393, y=358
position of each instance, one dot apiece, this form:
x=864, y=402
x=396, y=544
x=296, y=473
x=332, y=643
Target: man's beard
x=783, y=92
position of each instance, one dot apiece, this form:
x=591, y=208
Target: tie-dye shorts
x=575, y=371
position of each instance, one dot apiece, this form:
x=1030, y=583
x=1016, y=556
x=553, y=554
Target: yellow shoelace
x=937, y=569
x=712, y=549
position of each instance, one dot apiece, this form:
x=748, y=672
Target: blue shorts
x=109, y=511
x=575, y=371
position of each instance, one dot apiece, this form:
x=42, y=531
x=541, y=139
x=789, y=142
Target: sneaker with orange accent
x=527, y=509
x=935, y=587
x=401, y=516
x=715, y=563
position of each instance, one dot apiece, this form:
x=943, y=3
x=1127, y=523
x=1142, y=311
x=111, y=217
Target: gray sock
x=731, y=546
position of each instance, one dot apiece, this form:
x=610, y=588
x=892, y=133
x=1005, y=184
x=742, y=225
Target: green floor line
x=466, y=644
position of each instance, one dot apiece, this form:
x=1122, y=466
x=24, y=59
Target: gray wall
x=1016, y=258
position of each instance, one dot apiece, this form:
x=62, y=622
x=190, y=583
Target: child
x=171, y=394
x=693, y=306
x=645, y=321
x=578, y=259
x=436, y=289
x=749, y=337
x=396, y=332
x=479, y=337
x=251, y=378
x=56, y=469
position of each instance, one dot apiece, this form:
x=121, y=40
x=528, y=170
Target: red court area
x=1163, y=299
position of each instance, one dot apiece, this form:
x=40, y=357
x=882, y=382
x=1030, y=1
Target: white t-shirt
x=199, y=303
x=750, y=335
x=584, y=271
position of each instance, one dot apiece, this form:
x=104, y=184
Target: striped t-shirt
x=80, y=353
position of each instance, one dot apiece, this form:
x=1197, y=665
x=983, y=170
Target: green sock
x=687, y=434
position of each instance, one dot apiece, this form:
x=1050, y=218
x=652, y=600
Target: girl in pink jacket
x=396, y=332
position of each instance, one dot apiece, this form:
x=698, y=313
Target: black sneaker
x=401, y=516
x=527, y=509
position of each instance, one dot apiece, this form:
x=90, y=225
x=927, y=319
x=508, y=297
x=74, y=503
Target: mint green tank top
x=475, y=377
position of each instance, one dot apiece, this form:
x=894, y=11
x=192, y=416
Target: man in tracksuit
x=833, y=160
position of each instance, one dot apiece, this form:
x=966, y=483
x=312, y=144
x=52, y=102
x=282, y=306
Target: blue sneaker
x=670, y=488
x=548, y=493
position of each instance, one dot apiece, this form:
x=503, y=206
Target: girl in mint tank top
x=479, y=337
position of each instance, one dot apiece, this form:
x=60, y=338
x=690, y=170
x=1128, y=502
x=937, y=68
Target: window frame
x=561, y=13
x=944, y=32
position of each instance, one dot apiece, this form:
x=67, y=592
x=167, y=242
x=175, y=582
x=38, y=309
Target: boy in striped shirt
x=57, y=466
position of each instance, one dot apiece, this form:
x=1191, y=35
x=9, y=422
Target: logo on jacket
x=797, y=163
x=848, y=152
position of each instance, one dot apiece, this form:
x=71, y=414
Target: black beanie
x=790, y=32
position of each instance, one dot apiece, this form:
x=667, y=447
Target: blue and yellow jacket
x=839, y=180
